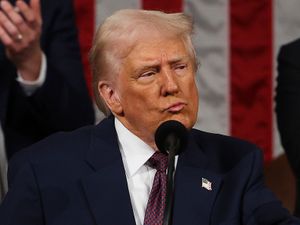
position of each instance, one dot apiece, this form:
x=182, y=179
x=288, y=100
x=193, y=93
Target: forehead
x=158, y=50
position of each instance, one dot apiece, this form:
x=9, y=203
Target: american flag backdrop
x=237, y=42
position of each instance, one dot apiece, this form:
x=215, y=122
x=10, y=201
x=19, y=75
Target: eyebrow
x=156, y=63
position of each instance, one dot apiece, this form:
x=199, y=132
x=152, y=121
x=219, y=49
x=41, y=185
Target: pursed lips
x=176, y=107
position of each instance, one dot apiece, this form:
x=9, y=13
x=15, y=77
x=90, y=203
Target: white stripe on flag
x=211, y=43
x=106, y=7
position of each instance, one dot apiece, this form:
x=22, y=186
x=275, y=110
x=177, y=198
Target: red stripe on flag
x=251, y=72
x=85, y=19
x=163, y=5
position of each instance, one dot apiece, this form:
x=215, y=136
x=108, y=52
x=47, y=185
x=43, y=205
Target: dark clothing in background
x=62, y=103
x=288, y=107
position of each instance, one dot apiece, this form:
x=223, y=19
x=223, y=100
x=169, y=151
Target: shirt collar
x=134, y=151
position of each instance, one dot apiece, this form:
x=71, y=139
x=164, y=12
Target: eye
x=147, y=74
x=180, y=68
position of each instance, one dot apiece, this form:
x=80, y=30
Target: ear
x=110, y=96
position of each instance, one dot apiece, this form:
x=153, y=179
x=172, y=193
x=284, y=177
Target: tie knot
x=159, y=161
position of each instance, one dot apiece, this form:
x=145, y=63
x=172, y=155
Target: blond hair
x=118, y=34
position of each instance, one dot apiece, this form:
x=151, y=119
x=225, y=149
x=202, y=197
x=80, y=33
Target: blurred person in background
x=288, y=108
x=42, y=86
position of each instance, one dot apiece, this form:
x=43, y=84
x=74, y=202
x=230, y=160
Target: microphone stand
x=168, y=214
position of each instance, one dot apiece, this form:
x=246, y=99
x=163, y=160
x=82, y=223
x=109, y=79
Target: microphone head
x=171, y=137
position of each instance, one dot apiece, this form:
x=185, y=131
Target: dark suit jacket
x=62, y=103
x=288, y=106
x=288, y=101
x=79, y=178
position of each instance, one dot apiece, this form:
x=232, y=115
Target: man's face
x=156, y=83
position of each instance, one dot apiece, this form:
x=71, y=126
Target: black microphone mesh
x=171, y=134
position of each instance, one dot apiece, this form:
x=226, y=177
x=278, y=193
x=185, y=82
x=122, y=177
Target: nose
x=169, y=83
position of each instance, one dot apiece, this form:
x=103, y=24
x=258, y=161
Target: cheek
x=193, y=98
x=141, y=100
x=148, y=95
x=192, y=91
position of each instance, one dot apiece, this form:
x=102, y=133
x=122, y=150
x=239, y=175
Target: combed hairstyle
x=118, y=34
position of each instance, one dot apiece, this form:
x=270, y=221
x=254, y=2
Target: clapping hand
x=20, y=31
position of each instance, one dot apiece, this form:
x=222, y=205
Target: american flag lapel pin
x=206, y=184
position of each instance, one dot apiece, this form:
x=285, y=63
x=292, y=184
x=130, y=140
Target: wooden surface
x=280, y=179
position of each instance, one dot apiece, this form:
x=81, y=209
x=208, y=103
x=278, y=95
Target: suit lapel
x=193, y=200
x=106, y=189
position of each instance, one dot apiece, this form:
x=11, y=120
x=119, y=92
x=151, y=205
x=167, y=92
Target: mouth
x=175, y=108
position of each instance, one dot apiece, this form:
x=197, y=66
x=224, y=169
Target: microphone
x=170, y=138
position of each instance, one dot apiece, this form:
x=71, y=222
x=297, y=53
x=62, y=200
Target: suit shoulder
x=290, y=52
x=224, y=151
x=59, y=145
x=219, y=140
x=72, y=144
x=293, y=46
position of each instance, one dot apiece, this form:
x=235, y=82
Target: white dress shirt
x=29, y=88
x=135, y=153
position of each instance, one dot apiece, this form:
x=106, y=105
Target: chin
x=186, y=121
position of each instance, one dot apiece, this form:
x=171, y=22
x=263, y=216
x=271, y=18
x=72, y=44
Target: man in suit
x=42, y=87
x=288, y=108
x=144, y=68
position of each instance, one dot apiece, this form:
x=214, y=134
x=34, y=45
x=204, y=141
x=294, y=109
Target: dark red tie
x=156, y=202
